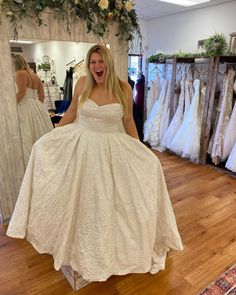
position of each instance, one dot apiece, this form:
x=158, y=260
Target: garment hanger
x=156, y=68
x=79, y=63
x=70, y=62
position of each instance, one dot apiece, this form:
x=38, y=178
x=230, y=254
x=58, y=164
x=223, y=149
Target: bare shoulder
x=21, y=73
x=128, y=90
x=80, y=85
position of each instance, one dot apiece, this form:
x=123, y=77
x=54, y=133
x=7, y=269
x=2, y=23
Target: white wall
x=182, y=31
x=60, y=52
x=135, y=47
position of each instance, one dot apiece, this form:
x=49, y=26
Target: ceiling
x=149, y=9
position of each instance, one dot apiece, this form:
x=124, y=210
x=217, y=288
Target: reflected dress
x=96, y=199
x=34, y=121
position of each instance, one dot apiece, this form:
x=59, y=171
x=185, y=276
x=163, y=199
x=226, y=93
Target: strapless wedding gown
x=34, y=121
x=186, y=141
x=96, y=199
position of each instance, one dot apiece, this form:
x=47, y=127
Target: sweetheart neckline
x=107, y=104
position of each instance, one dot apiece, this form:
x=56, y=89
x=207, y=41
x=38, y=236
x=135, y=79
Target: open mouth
x=99, y=73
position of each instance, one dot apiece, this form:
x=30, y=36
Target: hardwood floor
x=204, y=201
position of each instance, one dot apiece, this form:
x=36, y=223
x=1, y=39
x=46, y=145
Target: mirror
x=59, y=65
x=11, y=163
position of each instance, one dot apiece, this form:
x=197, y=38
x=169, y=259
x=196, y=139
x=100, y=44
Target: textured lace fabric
x=96, y=199
x=186, y=141
x=176, y=121
x=34, y=121
x=225, y=109
x=152, y=125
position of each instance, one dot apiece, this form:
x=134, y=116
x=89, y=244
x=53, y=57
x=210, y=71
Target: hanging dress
x=139, y=98
x=152, y=124
x=231, y=162
x=155, y=88
x=186, y=142
x=177, y=119
x=165, y=117
x=224, y=115
x=189, y=90
x=230, y=135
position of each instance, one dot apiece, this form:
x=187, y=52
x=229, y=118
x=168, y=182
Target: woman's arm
x=21, y=83
x=41, y=91
x=70, y=114
x=128, y=120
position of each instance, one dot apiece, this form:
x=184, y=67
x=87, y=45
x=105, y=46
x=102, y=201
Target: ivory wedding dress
x=155, y=88
x=34, y=121
x=186, y=141
x=96, y=199
x=176, y=121
x=153, y=123
x=230, y=135
x=225, y=109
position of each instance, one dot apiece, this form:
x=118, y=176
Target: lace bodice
x=105, y=118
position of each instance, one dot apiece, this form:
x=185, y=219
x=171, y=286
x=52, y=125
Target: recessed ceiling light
x=21, y=41
x=185, y=2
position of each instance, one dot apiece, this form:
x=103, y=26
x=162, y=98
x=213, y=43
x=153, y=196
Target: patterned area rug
x=223, y=285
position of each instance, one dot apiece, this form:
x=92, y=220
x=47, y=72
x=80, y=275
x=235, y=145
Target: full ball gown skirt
x=96, y=199
x=34, y=121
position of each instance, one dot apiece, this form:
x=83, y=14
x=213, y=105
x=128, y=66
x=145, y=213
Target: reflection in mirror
x=58, y=65
x=34, y=120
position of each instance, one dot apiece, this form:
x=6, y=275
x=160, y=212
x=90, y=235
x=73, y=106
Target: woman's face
x=97, y=68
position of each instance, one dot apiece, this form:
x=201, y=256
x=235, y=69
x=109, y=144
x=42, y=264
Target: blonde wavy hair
x=113, y=83
x=20, y=63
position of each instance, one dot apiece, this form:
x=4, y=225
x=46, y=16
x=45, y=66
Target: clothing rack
x=70, y=62
x=212, y=73
x=213, y=70
x=78, y=63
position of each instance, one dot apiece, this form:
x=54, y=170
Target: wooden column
x=208, y=107
x=11, y=153
x=145, y=90
x=173, y=80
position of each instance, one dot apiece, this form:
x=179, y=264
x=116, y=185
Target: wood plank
x=204, y=202
x=204, y=131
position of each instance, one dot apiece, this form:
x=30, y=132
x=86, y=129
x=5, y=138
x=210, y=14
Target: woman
x=33, y=117
x=93, y=195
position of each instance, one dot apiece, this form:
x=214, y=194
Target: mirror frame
x=11, y=159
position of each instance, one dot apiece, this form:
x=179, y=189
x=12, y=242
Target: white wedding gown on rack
x=216, y=143
x=189, y=91
x=231, y=162
x=176, y=121
x=155, y=88
x=230, y=135
x=152, y=124
x=186, y=142
x=165, y=116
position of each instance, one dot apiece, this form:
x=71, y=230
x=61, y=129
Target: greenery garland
x=161, y=57
x=98, y=14
x=215, y=45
